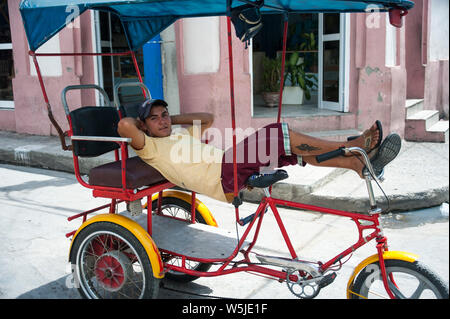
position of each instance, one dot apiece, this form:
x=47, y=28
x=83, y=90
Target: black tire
x=413, y=279
x=176, y=207
x=109, y=262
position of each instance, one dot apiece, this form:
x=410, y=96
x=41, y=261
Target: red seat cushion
x=138, y=174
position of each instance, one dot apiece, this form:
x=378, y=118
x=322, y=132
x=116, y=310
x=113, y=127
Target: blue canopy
x=144, y=19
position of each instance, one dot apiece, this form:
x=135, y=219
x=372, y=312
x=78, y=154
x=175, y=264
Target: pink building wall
x=436, y=87
x=30, y=112
x=414, y=22
x=426, y=79
x=381, y=90
x=210, y=92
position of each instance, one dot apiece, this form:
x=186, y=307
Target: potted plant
x=300, y=82
x=271, y=81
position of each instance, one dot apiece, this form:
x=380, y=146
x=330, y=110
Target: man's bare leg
x=309, y=147
x=386, y=152
x=305, y=145
x=349, y=162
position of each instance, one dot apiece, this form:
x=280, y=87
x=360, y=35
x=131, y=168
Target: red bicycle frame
x=269, y=202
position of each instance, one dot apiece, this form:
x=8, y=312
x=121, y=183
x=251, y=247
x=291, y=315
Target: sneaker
x=388, y=150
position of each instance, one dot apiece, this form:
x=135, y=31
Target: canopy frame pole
x=61, y=134
x=236, y=201
x=283, y=60
x=138, y=72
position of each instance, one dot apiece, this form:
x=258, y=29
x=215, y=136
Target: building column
x=380, y=61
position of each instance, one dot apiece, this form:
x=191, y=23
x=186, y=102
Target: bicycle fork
x=381, y=248
x=381, y=241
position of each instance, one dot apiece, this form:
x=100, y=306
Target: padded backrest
x=130, y=109
x=94, y=121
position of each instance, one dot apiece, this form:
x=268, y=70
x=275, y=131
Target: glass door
x=333, y=86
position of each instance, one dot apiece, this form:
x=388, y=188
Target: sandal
x=387, y=151
x=368, y=138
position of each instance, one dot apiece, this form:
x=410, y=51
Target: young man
x=209, y=171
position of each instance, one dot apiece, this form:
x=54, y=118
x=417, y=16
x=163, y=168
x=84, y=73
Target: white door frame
x=97, y=45
x=7, y=104
x=97, y=60
x=344, y=66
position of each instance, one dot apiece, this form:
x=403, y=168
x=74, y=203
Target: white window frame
x=344, y=64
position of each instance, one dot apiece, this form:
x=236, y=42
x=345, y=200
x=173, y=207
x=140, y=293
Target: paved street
x=35, y=204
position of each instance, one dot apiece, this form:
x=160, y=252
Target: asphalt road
x=35, y=204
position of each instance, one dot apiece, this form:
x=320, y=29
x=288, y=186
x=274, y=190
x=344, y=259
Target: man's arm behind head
x=132, y=128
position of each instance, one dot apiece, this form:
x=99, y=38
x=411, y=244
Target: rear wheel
x=175, y=207
x=411, y=280
x=109, y=262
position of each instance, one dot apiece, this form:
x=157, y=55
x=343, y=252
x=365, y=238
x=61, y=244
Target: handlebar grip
x=326, y=156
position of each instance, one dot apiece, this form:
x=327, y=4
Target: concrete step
x=424, y=126
x=429, y=117
x=413, y=106
x=440, y=130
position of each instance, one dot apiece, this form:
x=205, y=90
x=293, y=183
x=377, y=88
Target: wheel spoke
x=397, y=293
x=419, y=290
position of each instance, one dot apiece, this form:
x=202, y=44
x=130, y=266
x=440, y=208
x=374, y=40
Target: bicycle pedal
x=327, y=280
x=135, y=207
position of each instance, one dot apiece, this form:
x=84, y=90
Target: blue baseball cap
x=144, y=109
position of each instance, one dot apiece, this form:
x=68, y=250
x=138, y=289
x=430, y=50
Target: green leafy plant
x=295, y=72
x=271, y=74
x=310, y=43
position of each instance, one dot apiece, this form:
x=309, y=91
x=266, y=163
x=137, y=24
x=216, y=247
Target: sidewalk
x=417, y=178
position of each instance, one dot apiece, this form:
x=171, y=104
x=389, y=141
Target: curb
x=358, y=204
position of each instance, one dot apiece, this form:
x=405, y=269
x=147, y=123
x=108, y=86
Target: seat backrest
x=130, y=109
x=94, y=121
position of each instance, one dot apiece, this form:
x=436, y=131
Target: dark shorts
x=265, y=150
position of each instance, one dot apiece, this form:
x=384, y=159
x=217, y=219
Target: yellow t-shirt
x=186, y=162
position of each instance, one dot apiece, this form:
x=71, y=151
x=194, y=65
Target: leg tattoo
x=307, y=148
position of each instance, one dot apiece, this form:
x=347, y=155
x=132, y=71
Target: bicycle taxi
x=125, y=253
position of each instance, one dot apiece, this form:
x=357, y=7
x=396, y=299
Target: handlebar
x=327, y=156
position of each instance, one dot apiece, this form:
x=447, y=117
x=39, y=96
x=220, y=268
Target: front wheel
x=407, y=280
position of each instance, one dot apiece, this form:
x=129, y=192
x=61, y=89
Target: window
x=301, y=65
x=6, y=58
x=116, y=69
